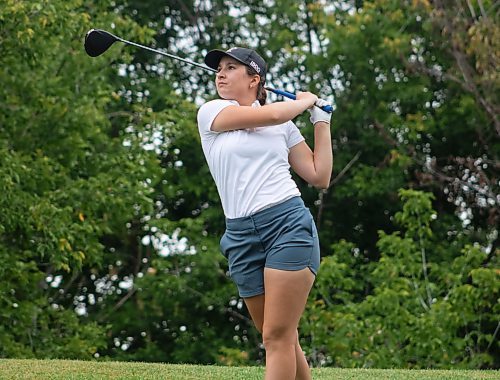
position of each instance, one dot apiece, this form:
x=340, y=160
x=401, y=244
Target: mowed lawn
x=70, y=369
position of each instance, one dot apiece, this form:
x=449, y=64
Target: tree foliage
x=68, y=184
x=109, y=218
x=431, y=300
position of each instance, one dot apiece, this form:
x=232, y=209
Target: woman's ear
x=255, y=81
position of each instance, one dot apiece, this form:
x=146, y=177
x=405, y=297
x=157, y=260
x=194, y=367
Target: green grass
x=71, y=369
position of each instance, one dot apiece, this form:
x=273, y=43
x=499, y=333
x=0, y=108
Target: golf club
x=98, y=41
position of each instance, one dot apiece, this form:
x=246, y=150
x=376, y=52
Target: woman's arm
x=315, y=167
x=242, y=117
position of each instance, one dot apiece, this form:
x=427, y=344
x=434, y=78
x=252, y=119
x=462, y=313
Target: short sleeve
x=208, y=112
x=293, y=135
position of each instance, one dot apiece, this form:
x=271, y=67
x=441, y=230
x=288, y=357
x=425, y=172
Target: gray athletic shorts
x=283, y=236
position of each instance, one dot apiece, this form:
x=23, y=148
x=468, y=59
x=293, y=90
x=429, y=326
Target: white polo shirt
x=250, y=166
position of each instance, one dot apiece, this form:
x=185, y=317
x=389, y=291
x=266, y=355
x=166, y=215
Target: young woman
x=270, y=241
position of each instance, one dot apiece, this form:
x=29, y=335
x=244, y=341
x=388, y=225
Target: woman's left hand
x=317, y=114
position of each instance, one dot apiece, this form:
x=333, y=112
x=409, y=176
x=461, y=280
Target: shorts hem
x=292, y=268
x=252, y=294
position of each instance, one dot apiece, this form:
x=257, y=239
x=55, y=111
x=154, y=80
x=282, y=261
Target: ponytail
x=261, y=92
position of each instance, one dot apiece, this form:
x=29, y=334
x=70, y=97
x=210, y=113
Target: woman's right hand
x=308, y=97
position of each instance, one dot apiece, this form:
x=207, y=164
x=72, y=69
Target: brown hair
x=261, y=91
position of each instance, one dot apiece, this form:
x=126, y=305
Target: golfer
x=270, y=241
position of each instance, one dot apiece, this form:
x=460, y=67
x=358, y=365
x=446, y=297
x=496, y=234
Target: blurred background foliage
x=110, y=221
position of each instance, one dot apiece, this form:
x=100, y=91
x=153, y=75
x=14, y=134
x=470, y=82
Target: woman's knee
x=278, y=334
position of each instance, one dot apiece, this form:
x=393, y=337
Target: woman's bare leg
x=303, y=370
x=285, y=299
x=255, y=306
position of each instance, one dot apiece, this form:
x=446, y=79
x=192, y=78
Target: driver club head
x=97, y=41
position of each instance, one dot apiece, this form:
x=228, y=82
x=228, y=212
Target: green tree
x=432, y=301
x=69, y=186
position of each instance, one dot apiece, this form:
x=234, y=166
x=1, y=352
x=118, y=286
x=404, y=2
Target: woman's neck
x=246, y=100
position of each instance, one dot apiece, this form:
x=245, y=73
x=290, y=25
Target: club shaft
x=167, y=55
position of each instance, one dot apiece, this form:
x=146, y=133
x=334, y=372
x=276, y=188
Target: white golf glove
x=317, y=114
